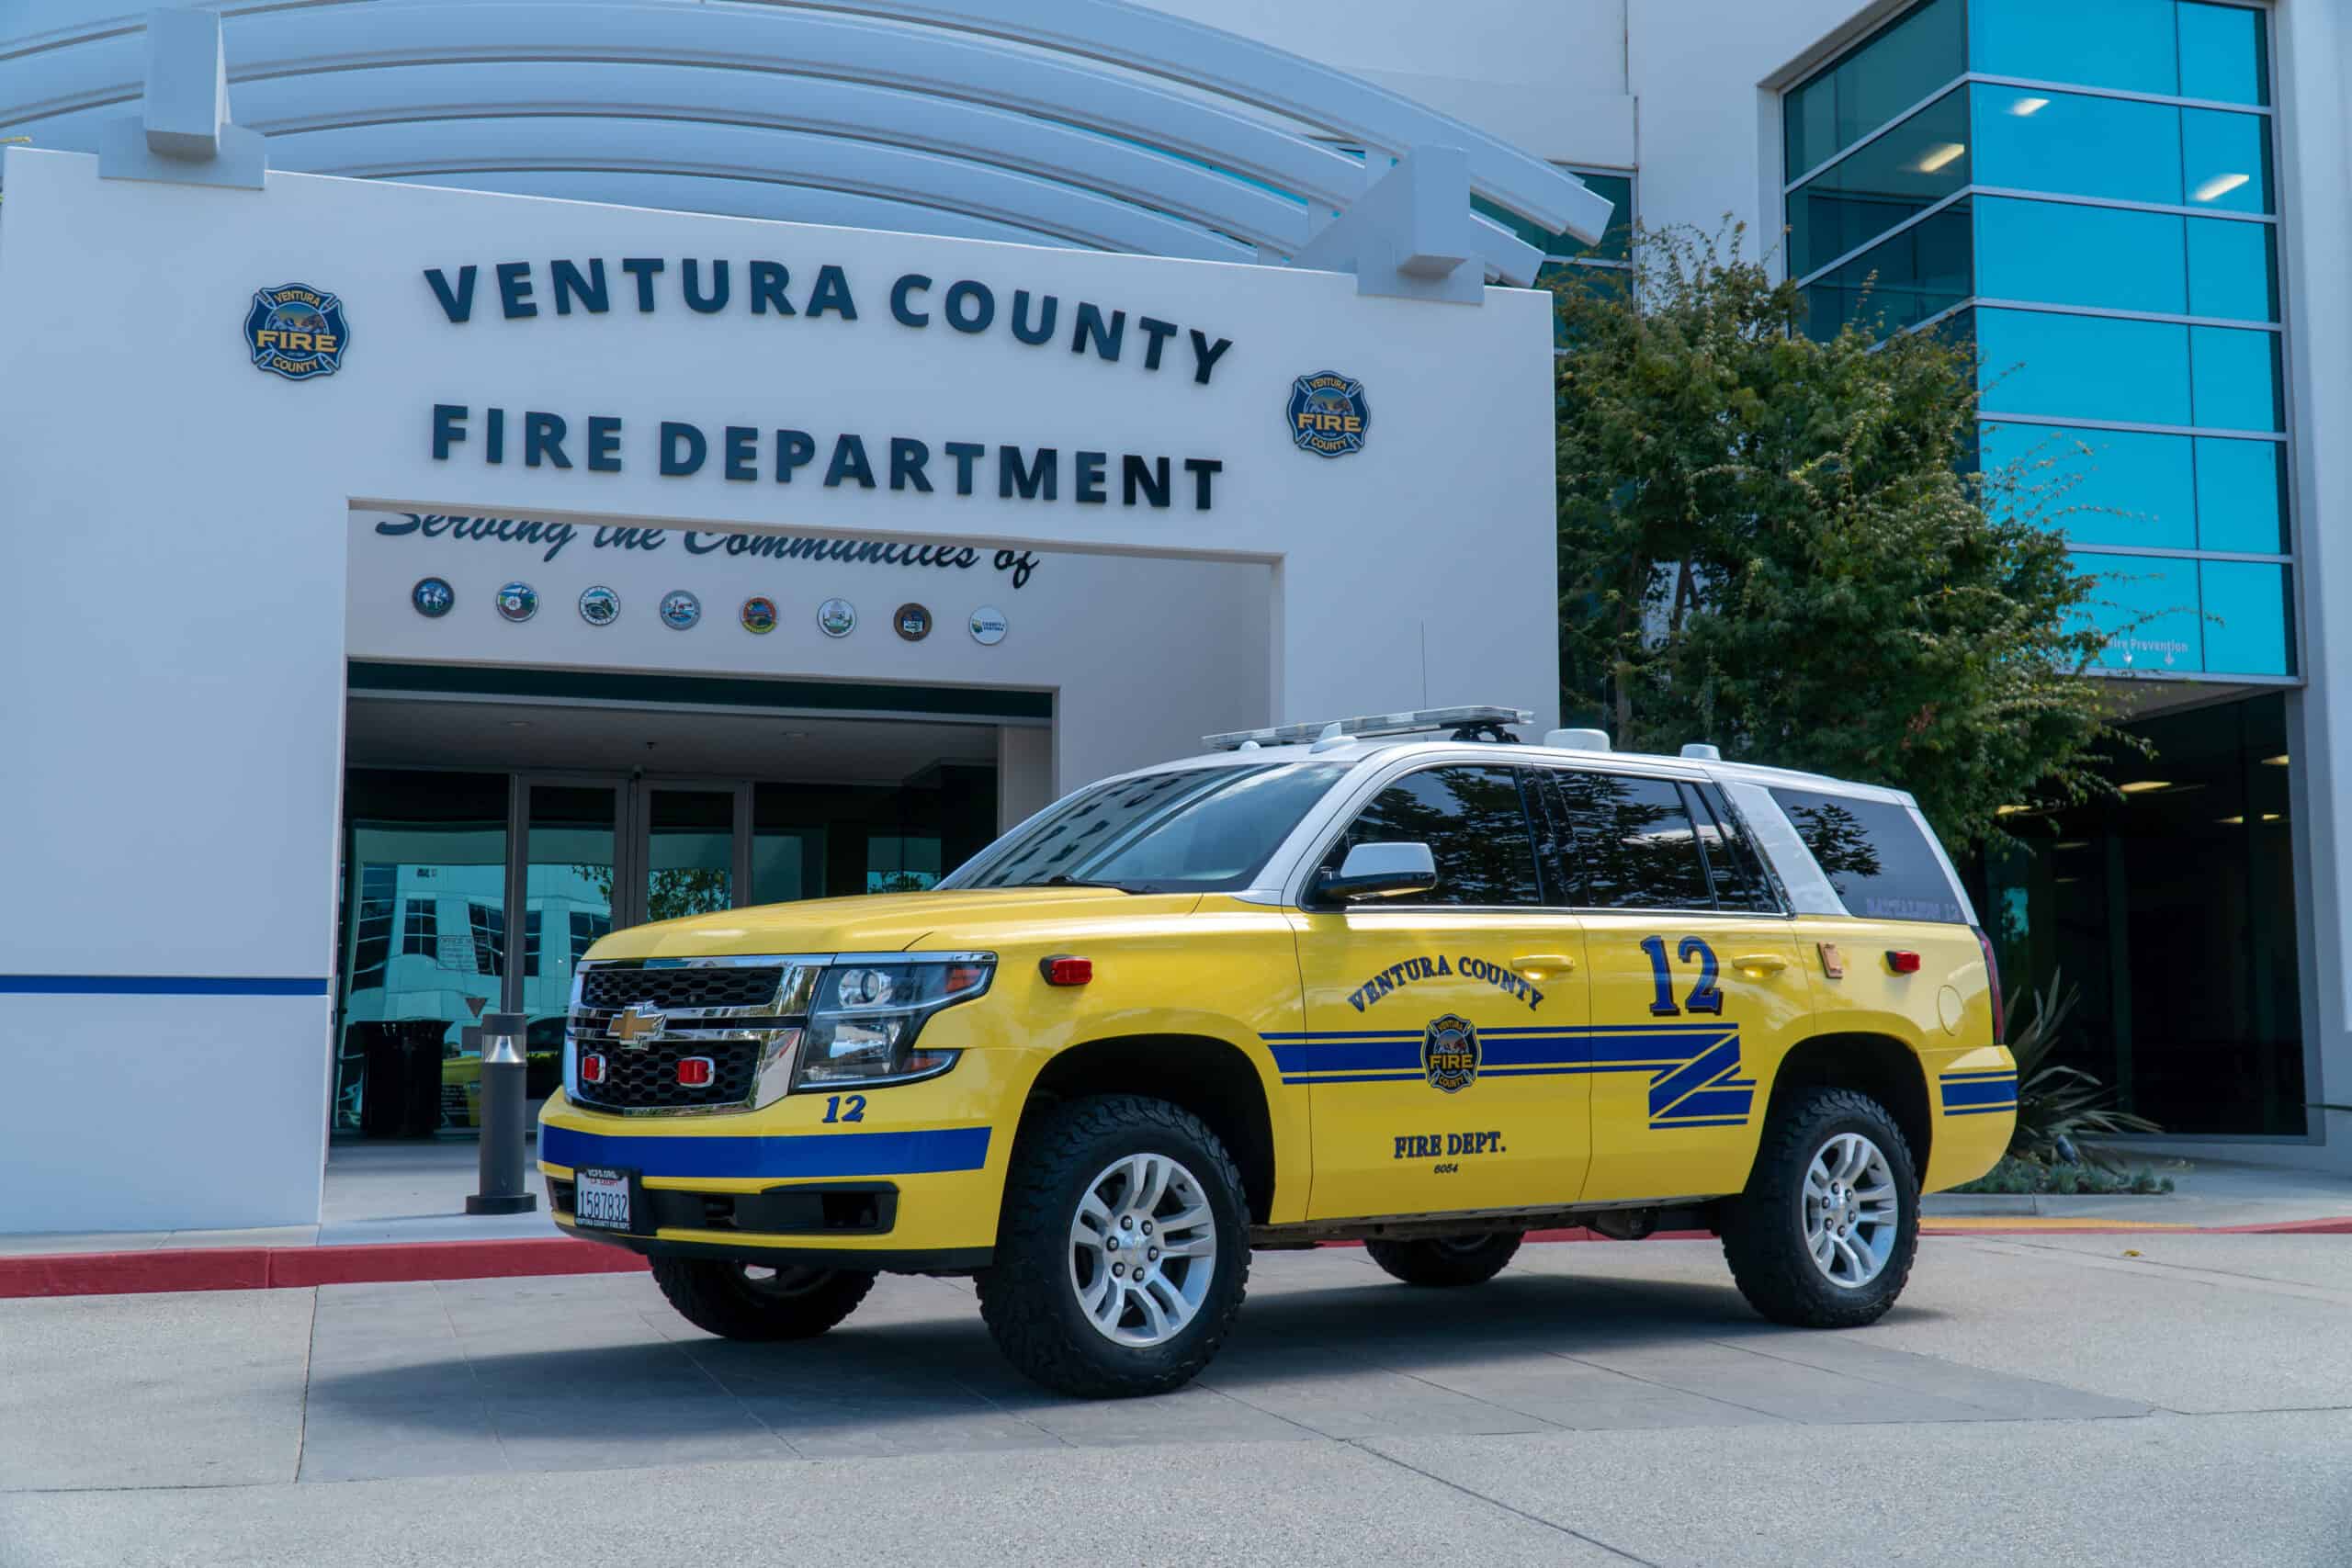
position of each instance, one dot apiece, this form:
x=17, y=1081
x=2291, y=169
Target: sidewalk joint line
x=1358, y=1445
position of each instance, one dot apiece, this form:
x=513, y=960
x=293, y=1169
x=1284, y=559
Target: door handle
x=1759, y=962
x=1537, y=965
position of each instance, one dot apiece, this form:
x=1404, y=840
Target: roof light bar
x=1367, y=726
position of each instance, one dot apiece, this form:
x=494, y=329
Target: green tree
x=1773, y=543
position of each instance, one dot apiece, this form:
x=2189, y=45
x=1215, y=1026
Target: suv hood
x=886, y=923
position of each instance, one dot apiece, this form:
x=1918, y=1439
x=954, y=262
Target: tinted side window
x=1739, y=880
x=1473, y=822
x=1874, y=856
x=1634, y=843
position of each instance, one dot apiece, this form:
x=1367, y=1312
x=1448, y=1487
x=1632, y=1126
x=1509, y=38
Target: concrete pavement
x=2033, y=1400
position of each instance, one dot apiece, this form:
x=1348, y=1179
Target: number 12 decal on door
x=1705, y=996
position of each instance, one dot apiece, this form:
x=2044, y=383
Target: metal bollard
x=503, y=1092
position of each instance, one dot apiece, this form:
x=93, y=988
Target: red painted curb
x=2341, y=1226
x=281, y=1268
x=289, y=1268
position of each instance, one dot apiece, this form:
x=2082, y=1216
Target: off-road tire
x=1027, y=1295
x=1763, y=1229
x=1447, y=1261
x=717, y=1297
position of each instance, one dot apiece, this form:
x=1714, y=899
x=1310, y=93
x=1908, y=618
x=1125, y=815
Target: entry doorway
x=486, y=849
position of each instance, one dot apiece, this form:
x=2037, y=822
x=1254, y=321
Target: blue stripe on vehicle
x=1708, y=1103
x=1360, y=1077
x=786, y=1155
x=161, y=986
x=1340, y=1056
x=1719, y=1061
x=1979, y=1109
x=1693, y=1066
x=1980, y=1093
x=1982, y=1073
x=1718, y=1121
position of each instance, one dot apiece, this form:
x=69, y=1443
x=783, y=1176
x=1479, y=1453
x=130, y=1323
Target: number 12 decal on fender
x=1704, y=997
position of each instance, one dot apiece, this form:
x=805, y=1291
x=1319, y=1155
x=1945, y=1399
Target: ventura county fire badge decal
x=297, y=331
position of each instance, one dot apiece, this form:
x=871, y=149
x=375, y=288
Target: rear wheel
x=747, y=1300
x=1826, y=1232
x=1447, y=1261
x=1123, y=1252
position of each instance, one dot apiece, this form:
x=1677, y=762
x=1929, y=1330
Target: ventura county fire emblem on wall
x=680, y=609
x=1328, y=415
x=599, y=606
x=519, y=602
x=837, y=618
x=433, y=597
x=296, y=331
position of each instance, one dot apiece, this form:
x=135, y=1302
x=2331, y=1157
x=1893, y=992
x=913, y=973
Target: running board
x=1619, y=1219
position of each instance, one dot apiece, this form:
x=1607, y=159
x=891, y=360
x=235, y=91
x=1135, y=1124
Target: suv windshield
x=1198, y=829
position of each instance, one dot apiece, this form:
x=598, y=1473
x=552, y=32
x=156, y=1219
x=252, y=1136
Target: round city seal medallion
x=988, y=626
x=911, y=622
x=837, y=618
x=599, y=606
x=680, y=609
x=433, y=597
x=759, y=615
x=519, y=602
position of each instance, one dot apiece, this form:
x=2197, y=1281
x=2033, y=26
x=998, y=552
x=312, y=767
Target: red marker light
x=592, y=1068
x=1063, y=970
x=1902, y=961
x=694, y=1071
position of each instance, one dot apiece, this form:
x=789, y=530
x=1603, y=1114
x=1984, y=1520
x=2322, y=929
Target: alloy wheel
x=1142, y=1250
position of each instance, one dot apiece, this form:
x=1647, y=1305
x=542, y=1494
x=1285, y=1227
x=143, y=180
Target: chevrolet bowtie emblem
x=635, y=1022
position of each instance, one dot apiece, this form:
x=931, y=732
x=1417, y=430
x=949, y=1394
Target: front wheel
x=1447, y=1261
x=1123, y=1252
x=746, y=1301
x=1826, y=1232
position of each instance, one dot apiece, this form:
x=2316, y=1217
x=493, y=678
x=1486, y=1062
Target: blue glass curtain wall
x=2114, y=259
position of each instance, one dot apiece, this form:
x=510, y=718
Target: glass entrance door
x=694, y=849
x=573, y=877
x=466, y=892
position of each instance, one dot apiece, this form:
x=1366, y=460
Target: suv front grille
x=645, y=1078
x=721, y=986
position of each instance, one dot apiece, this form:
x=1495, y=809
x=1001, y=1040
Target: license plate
x=600, y=1198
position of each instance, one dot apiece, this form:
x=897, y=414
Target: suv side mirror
x=1380, y=871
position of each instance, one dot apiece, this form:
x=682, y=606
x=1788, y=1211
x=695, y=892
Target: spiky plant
x=2059, y=1107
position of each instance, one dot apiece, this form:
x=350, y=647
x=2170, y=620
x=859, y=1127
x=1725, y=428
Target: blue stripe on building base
x=787, y=1154
x=161, y=986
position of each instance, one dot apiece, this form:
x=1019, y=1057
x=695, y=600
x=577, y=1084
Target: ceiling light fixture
x=2219, y=185
x=2278, y=761
x=2141, y=786
x=1943, y=152
x=2237, y=821
x=2029, y=106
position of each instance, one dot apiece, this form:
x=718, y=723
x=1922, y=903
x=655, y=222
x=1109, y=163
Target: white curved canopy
x=1092, y=123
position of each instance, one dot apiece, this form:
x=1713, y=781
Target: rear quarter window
x=1875, y=855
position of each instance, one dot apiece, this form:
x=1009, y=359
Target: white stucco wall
x=173, y=559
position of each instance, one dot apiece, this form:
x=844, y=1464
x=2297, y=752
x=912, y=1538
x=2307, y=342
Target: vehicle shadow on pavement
x=598, y=1376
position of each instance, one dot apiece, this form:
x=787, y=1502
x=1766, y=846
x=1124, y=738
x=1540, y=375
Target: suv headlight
x=868, y=1014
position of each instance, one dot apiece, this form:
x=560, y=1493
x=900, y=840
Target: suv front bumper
x=917, y=1192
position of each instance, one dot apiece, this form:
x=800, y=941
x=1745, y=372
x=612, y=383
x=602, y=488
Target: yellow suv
x=1359, y=982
